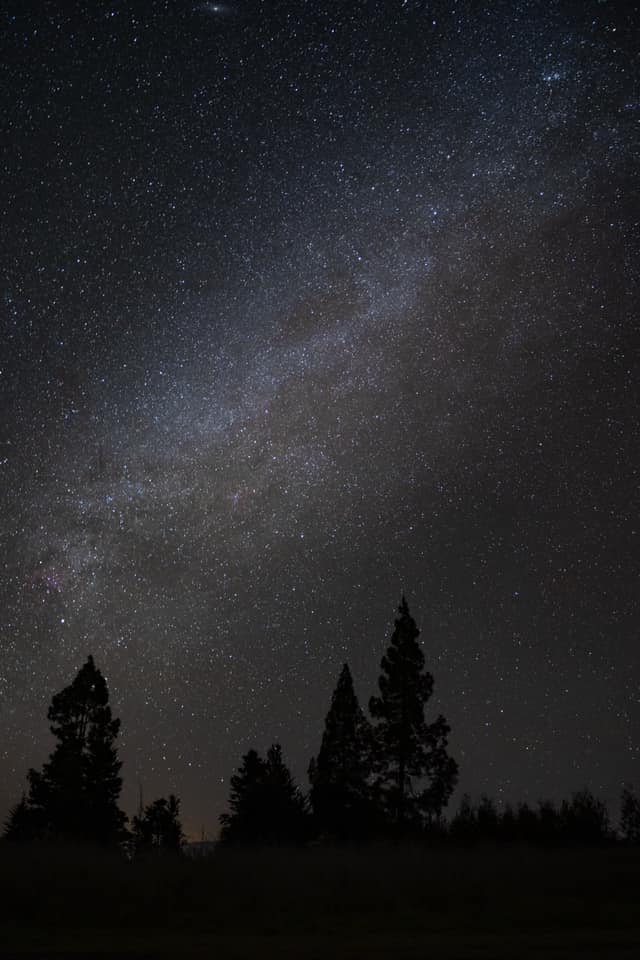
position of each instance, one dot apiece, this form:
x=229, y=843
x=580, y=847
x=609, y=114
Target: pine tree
x=341, y=790
x=75, y=795
x=549, y=827
x=266, y=806
x=488, y=818
x=415, y=773
x=23, y=824
x=245, y=823
x=630, y=816
x=158, y=829
x=464, y=825
x=286, y=806
x=584, y=819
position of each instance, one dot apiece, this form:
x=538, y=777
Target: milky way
x=307, y=305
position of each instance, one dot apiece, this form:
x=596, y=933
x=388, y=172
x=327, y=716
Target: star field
x=304, y=306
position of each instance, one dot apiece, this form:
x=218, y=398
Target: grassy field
x=379, y=902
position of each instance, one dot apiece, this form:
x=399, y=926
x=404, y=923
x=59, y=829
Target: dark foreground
x=381, y=902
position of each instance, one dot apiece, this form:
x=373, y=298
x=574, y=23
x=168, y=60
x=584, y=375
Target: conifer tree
x=464, y=825
x=22, y=824
x=266, y=805
x=341, y=788
x=245, y=822
x=285, y=805
x=630, y=816
x=585, y=819
x=75, y=795
x=158, y=829
x=415, y=774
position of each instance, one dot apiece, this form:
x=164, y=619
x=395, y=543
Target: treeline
x=583, y=820
x=267, y=808
x=389, y=776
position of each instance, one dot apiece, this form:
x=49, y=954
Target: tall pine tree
x=415, y=774
x=341, y=775
x=630, y=816
x=75, y=795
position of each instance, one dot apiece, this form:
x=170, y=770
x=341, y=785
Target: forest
x=369, y=851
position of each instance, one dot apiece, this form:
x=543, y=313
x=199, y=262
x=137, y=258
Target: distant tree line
x=387, y=777
x=581, y=821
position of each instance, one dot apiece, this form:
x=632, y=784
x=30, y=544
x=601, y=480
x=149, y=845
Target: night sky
x=306, y=305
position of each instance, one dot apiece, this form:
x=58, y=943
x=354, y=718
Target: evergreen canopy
x=341, y=776
x=158, y=829
x=266, y=805
x=415, y=774
x=75, y=795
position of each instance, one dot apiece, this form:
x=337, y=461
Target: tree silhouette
x=464, y=825
x=158, y=829
x=582, y=820
x=630, y=816
x=508, y=825
x=585, y=820
x=245, y=823
x=286, y=807
x=341, y=790
x=409, y=752
x=549, y=827
x=75, y=795
x=23, y=823
x=266, y=805
x=488, y=818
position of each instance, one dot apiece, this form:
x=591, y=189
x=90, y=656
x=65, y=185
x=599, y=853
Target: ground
x=378, y=902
